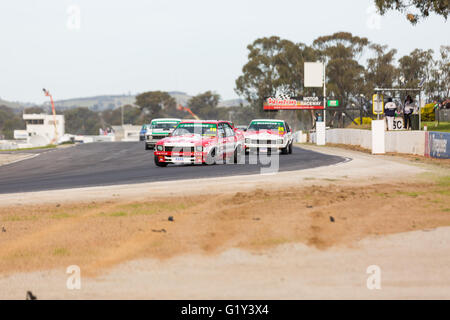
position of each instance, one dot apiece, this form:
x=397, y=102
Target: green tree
x=415, y=9
x=156, y=104
x=341, y=51
x=10, y=121
x=415, y=67
x=131, y=115
x=275, y=66
x=204, y=105
x=82, y=121
x=35, y=109
x=438, y=86
x=381, y=70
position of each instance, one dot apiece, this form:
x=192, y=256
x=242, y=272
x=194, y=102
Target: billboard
x=313, y=75
x=438, y=145
x=294, y=103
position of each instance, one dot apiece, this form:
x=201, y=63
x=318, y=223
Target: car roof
x=202, y=121
x=279, y=120
x=166, y=119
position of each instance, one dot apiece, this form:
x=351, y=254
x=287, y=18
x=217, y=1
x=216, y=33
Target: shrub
x=427, y=113
x=365, y=120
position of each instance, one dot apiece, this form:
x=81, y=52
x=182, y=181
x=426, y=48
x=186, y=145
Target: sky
x=79, y=48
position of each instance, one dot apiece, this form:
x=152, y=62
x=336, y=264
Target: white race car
x=268, y=135
x=159, y=129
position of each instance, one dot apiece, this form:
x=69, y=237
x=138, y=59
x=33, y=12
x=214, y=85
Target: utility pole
x=121, y=109
x=324, y=97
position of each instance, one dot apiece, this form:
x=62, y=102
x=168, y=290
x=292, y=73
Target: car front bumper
x=181, y=157
x=267, y=146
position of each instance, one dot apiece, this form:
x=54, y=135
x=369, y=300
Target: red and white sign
x=300, y=103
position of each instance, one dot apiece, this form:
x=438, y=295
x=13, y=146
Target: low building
x=41, y=128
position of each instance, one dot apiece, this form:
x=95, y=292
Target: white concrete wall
x=300, y=137
x=131, y=133
x=355, y=137
x=410, y=142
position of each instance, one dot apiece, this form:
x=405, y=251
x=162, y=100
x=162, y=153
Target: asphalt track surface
x=102, y=164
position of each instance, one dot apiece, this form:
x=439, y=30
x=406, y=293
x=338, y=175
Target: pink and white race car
x=268, y=135
x=199, y=142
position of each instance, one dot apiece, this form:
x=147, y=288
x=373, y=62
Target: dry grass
x=100, y=235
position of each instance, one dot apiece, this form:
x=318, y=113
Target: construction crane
x=186, y=109
x=47, y=93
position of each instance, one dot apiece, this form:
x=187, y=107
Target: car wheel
x=211, y=157
x=160, y=164
x=290, y=148
x=147, y=147
x=237, y=154
x=285, y=150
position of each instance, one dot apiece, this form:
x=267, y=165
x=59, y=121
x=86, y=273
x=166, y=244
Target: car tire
x=237, y=154
x=285, y=150
x=290, y=147
x=211, y=157
x=160, y=164
x=147, y=147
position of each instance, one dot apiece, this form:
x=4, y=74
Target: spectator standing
x=389, y=112
x=408, y=110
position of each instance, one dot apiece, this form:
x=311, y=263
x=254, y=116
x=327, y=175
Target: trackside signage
x=439, y=145
x=294, y=103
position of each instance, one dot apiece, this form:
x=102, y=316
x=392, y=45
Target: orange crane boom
x=180, y=107
x=47, y=93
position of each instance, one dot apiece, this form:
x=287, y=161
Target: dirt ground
x=102, y=234
x=303, y=230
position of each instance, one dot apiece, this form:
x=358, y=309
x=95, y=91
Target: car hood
x=159, y=131
x=264, y=134
x=187, y=140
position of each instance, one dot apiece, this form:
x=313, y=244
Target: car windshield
x=266, y=125
x=204, y=129
x=164, y=125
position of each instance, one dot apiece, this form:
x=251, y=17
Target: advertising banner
x=294, y=103
x=439, y=144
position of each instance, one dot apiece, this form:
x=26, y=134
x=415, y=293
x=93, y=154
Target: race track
x=100, y=164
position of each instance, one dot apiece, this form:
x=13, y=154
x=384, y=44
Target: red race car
x=199, y=142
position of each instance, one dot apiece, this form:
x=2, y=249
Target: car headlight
x=199, y=148
x=280, y=141
x=247, y=140
x=160, y=148
x=149, y=137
